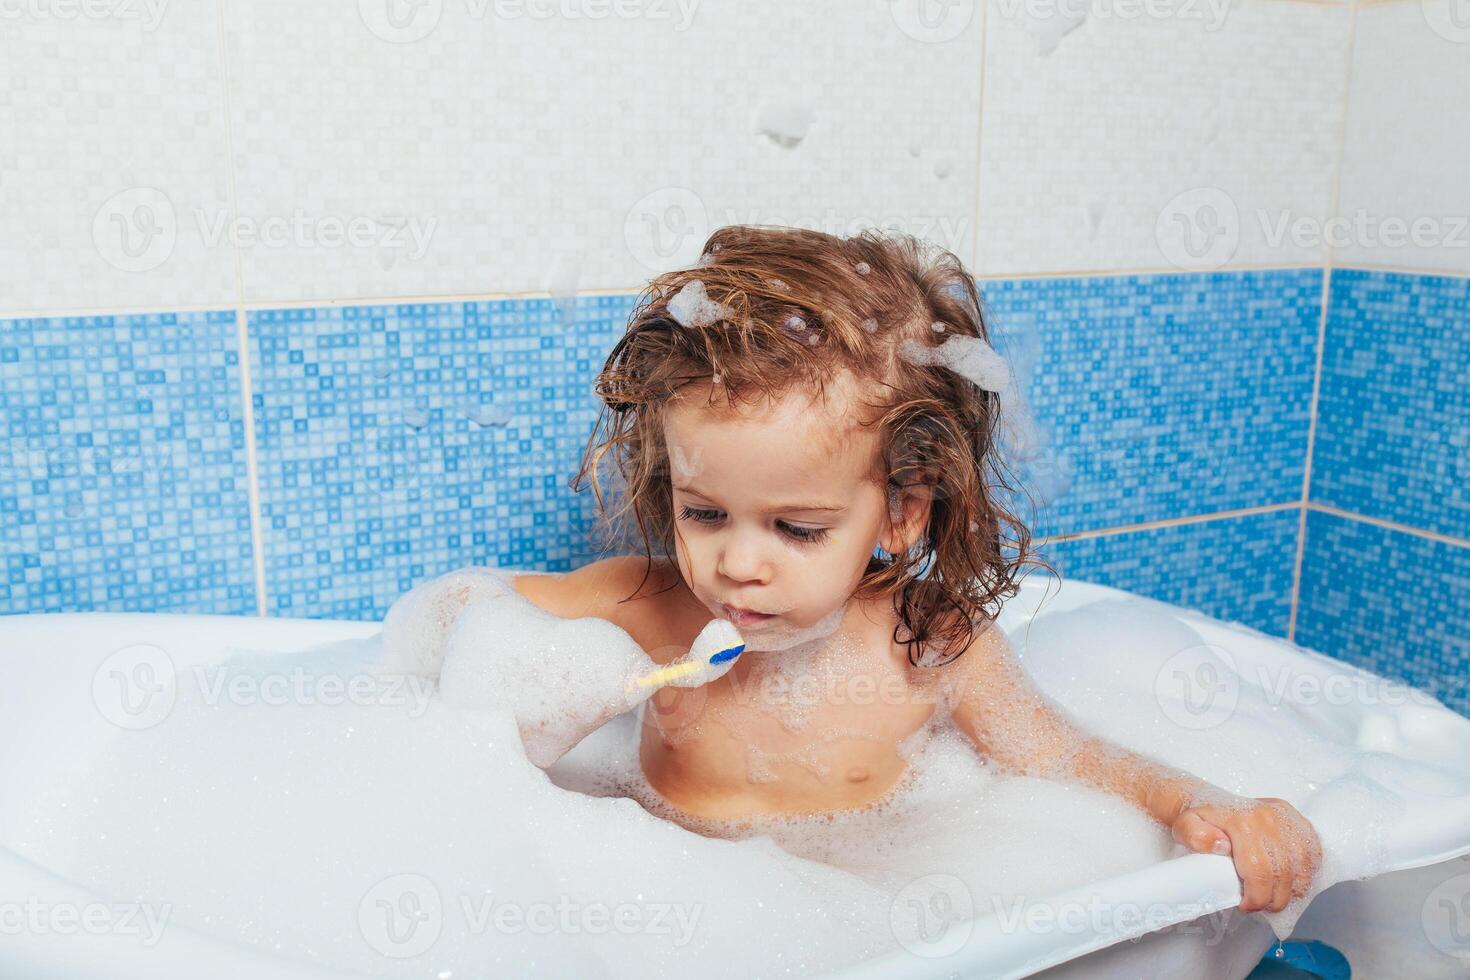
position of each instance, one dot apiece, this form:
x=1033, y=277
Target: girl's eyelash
x=803, y=535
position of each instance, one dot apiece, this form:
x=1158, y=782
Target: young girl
x=805, y=428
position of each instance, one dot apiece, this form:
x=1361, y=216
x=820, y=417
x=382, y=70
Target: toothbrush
x=717, y=644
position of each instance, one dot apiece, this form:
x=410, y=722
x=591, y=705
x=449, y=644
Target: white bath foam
x=693, y=307
x=954, y=836
x=1008, y=838
x=307, y=830
x=416, y=627
x=557, y=677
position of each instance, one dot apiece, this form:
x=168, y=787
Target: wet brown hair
x=856, y=301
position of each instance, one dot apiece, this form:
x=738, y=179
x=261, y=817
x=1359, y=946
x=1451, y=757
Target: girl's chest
x=786, y=734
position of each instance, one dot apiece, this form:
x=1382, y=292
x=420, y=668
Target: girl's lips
x=741, y=618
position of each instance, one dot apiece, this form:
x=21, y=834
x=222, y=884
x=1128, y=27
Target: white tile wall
x=112, y=130
x=1407, y=150
x=1102, y=146
x=490, y=149
x=538, y=153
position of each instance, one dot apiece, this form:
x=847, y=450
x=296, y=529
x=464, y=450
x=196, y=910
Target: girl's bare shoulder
x=647, y=599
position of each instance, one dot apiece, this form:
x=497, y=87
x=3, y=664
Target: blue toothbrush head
x=727, y=654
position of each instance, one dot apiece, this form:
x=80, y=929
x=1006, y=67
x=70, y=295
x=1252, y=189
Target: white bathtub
x=50, y=726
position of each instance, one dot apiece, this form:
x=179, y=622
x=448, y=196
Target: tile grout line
x=530, y=294
x=1328, y=264
x=1223, y=515
x=1218, y=515
x=1417, y=532
x=980, y=130
x=493, y=297
x=242, y=331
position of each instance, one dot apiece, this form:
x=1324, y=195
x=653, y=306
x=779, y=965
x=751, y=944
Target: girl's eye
x=802, y=535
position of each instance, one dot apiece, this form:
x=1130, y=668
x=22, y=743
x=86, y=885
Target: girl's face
x=775, y=510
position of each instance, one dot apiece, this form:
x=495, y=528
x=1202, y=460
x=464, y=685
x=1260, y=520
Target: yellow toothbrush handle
x=664, y=675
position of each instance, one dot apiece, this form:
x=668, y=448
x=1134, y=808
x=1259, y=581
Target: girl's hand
x=1276, y=850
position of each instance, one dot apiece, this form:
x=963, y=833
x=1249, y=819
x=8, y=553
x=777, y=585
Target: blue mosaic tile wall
x=1391, y=602
x=398, y=442
x=123, y=480
x=1165, y=396
x=1238, y=569
x=1393, y=443
x=1393, y=424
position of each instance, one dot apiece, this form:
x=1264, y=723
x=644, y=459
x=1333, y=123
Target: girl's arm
x=1011, y=723
x=555, y=650
x=417, y=626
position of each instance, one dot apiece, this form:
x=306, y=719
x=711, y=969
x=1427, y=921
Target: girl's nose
x=742, y=558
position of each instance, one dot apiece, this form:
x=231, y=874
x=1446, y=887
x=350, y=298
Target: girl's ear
x=907, y=517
